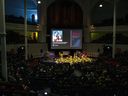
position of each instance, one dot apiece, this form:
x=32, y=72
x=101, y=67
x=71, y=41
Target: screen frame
x=50, y=45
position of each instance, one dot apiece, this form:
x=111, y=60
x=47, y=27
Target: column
x=3, y=41
x=42, y=11
x=25, y=30
x=86, y=26
x=88, y=6
x=114, y=29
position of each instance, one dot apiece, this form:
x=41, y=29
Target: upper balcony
x=20, y=27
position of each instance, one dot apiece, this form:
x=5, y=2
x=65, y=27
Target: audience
x=103, y=76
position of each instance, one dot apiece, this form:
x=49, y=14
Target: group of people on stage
x=76, y=57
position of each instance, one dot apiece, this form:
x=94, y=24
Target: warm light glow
x=73, y=59
x=33, y=35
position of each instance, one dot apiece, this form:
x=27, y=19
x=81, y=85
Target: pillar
x=3, y=41
x=86, y=27
x=42, y=13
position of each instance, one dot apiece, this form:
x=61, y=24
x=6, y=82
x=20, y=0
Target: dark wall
x=64, y=14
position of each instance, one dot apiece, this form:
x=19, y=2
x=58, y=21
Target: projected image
x=57, y=36
x=66, y=39
x=75, y=39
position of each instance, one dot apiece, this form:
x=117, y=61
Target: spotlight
x=101, y=5
x=45, y=93
x=39, y=2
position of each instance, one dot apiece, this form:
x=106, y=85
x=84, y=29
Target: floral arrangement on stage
x=75, y=59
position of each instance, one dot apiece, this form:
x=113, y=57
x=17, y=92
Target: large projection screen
x=66, y=39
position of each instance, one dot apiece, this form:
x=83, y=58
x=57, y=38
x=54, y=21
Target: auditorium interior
x=64, y=48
